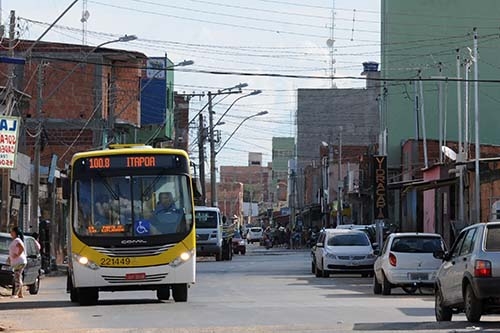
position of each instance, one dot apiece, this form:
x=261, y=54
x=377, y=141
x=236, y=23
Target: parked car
x=254, y=234
x=239, y=245
x=342, y=251
x=469, y=277
x=33, y=270
x=368, y=229
x=407, y=261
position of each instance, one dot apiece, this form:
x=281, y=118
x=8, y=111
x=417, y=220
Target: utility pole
x=201, y=154
x=213, y=180
x=36, y=159
x=5, y=214
x=213, y=176
x=340, y=183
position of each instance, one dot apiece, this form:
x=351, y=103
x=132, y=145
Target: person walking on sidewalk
x=18, y=260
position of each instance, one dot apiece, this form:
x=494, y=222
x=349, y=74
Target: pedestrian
x=17, y=259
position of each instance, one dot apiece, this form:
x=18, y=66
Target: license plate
x=135, y=276
x=418, y=276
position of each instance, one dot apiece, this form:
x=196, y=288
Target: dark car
x=32, y=271
x=238, y=244
x=469, y=278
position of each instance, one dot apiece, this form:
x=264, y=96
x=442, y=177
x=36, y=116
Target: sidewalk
x=61, y=271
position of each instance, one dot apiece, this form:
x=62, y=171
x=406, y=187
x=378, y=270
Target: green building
x=420, y=42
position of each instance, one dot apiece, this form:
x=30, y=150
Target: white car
x=342, y=251
x=407, y=261
x=254, y=234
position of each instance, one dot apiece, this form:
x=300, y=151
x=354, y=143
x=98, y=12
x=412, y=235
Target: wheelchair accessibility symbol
x=142, y=227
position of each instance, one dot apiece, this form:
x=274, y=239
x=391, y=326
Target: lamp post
x=239, y=125
x=212, y=165
x=253, y=93
x=213, y=180
x=40, y=101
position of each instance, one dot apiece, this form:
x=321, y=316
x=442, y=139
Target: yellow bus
x=131, y=224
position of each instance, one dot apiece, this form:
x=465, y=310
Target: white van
x=210, y=237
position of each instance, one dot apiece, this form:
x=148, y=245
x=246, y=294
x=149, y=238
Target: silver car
x=469, y=277
x=407, y=261
x=342, y=251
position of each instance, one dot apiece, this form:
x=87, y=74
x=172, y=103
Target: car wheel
x=443, y=313
x=386, y=285
x=180, y=292
x=313, y=267
x=33, y=288
x=317, y=271
x=324, y=271
x=410, y=290
x=163, y=293
x=377, y=287
x=473, y=305
x=243, y=251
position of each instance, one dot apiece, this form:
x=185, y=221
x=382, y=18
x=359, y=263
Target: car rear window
x=255, y=229
x=418, y=244
x=348, y=240
x=493, y=238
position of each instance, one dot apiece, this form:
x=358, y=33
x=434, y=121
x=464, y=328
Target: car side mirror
x=319, y=245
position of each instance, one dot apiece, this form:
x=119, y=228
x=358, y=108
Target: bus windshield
x=126, y=205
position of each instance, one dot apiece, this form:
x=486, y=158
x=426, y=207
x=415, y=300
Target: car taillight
x=482, y=268
x=392, y=259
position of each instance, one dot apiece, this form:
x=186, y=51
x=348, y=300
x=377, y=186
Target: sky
x=276, y=46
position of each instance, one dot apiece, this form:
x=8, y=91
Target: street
x=264, y=291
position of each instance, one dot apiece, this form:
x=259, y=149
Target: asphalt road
x=263, y=291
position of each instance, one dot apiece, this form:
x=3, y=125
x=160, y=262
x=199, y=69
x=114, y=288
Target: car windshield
x=4, y=244
x=493, y=238
x=417, y=244
x=349, y=240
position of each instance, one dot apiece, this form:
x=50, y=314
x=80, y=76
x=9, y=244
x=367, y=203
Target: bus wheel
x=88, y=296
x=73, y=292
x=163, y=293
x=180, y=292
x=73, y=295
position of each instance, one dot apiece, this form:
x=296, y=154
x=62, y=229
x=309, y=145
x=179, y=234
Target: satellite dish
x=448, y=152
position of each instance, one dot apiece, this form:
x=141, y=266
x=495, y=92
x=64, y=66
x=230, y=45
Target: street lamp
x=253, y=93
x=37, y=150
x=238, y=86
x=213, y=153
x=236, y=129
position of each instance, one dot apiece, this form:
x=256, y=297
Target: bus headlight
x=84, y=261
x=185, y=256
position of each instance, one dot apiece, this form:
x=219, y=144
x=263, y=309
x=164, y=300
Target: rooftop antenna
x=330, y=42
x=84, y=19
